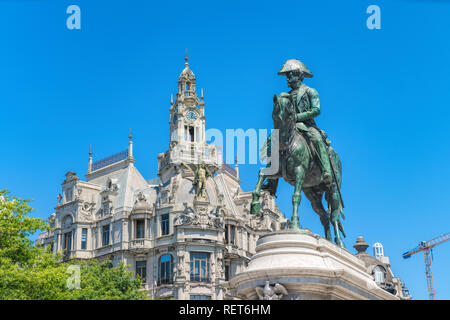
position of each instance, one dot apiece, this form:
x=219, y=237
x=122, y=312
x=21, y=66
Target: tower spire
x=236, y=167
x=186, y=64
x=130, y=146
x=90, y=159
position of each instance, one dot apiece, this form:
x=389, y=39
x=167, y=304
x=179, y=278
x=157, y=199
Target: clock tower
x=187, y=127
x=187, y=114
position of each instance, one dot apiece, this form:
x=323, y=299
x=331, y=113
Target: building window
x=52, y=246
x=379, y=275
x=68, y=195
x=106, y=208
x=229, y=234
x=165, y=269
x=105, y=235
x=200, y=266
x=227, y=272
x=141, y=270
x=165, y=224
x=191, y=134
x=232, y=234
x=83, y=238
x=199, y=297
x=140, y=229
x=67, y=241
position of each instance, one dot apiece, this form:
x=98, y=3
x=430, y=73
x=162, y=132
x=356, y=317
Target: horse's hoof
x=340, y=243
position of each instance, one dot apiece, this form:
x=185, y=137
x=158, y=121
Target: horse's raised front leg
x=296, y=197
x=335, y=215
x=255, y=206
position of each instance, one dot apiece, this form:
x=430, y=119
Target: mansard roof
x=127, y=179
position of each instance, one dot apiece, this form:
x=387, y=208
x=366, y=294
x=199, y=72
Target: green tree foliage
x=30, y=272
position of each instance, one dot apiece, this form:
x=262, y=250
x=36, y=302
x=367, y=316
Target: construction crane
x=426, y=247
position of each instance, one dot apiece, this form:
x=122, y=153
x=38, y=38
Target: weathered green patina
x=306, y=159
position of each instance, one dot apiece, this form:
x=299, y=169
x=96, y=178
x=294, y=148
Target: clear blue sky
x=385, y=99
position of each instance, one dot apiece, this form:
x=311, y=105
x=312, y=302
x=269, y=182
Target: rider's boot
x=326, y=166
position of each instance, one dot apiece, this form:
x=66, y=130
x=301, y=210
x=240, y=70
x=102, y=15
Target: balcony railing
x=193, y=153
x=139, y=244
x=110, y=160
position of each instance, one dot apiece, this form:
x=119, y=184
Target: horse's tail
x=266, y=150
x=341, y=210
x=341, y=228
x=337, y=165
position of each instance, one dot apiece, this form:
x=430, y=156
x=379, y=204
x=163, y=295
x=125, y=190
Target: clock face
x=191, y=115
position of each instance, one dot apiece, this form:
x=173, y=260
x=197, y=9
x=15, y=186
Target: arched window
x=379, y=275
x=188, y=88
x=165, y=269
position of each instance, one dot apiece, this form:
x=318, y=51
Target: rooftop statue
x=201, y=173
x=306, y=159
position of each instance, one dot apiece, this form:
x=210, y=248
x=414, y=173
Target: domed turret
x=378, y=250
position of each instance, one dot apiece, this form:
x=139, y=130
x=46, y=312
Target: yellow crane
x=426, y=247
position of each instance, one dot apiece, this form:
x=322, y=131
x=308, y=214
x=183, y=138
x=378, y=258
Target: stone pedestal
x=308, y=267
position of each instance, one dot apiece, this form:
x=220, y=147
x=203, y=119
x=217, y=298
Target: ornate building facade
x=190, y=231
x=379, y=267
x=185, y=244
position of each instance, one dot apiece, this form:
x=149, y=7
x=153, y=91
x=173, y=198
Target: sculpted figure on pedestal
x=201, y=174
x=306, y=159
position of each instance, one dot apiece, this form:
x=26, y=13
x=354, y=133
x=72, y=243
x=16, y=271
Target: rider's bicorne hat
x=295, y=65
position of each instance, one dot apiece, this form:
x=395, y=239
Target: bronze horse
x=300, y=167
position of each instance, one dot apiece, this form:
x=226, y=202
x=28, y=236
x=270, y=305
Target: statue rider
x=303, y=102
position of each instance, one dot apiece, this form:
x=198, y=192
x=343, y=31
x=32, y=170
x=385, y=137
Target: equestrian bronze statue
x=306, y=159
